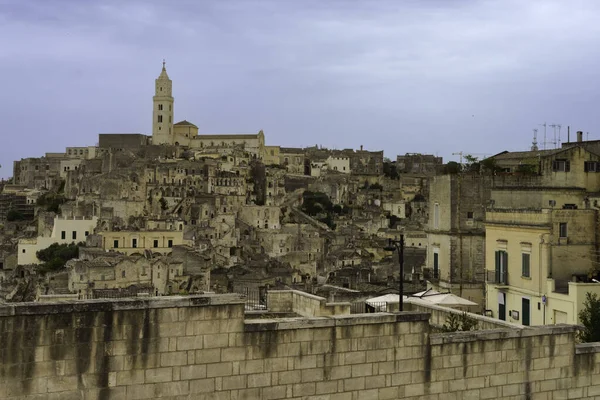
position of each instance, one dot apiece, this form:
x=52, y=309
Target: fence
x=255, y=299
x=370, y=307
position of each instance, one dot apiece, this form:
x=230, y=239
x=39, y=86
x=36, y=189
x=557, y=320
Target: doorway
x=526, y=311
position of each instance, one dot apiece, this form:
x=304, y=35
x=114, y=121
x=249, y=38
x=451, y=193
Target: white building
x=65, y=231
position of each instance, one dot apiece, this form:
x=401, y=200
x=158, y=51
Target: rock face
x=202, y=347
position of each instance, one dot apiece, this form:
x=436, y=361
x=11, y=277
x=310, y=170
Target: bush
x=51, y=201
x=462, y=322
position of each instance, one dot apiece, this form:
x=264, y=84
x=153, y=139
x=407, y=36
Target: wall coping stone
x=587, y=348
x=498, y=334
x=333, y=321
x=102, y=305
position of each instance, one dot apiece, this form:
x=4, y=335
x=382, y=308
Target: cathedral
x=185, y=133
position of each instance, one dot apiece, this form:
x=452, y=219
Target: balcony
x=497, y=277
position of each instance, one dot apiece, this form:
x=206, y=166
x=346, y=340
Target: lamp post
x=399, y=245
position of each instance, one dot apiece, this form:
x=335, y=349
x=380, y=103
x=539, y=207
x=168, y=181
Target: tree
x=56, y=256
x=590, y=318
x=471, y=163
x=452, y=168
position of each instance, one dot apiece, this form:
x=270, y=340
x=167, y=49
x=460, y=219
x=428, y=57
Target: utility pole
x=399, y=246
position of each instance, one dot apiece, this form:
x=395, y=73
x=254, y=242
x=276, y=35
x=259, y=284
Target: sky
x=410, y=76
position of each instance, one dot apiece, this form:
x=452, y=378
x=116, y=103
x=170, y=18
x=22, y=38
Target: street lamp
x=399, y=245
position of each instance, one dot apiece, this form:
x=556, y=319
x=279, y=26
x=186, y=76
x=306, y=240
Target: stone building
x=39, y=173
x=456, y=234
x=261, y=217
x=185, y=133
x=416, y=163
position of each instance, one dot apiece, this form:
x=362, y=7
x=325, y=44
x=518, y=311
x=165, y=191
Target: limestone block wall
x=202, y=348
x=304, y=304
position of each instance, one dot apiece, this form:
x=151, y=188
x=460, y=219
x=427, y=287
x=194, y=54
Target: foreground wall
x=201, y=348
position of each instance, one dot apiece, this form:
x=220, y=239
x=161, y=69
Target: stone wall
x=202, y=348
x=304, y=304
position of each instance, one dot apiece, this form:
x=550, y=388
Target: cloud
x=411, y=76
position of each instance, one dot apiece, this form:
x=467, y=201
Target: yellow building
x=531, y=257
x=131, y=242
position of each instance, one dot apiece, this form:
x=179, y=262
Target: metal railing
x=497, y=277
x=370, y=307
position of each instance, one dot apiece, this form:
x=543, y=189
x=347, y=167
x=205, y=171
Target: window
x=436, y=265
x=160, y=118
x=155, y=242
x=591, y=166
x=87, y=233
x=81, y=277
x=562, y=230
x=23, y=251
x=63, y=235
x=160, y=107
x=525, y=265
x=561, y=166
x=74, y=235
x=170, y=243
x=122, y=274
x=134, y=243
x=116, y=244
x=470, y=214
x=436, y=216
x=501, y=271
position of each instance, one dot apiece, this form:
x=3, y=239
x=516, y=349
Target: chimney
x=579, y=136
x=361, y=147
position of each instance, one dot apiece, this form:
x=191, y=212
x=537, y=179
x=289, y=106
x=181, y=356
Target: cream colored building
x=64, y=231
x=531, y=257
x=131, y=242
x=339, y=162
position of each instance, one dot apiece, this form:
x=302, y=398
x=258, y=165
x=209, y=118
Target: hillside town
x=183, y=212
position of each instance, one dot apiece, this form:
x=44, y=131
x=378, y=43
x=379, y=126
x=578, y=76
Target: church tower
x=162, y=114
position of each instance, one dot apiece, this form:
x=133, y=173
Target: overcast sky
x=430, y=76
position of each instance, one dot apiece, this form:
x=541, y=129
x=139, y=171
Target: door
x=502, y=306
x=526, y=311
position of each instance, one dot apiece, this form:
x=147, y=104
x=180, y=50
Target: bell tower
x=162, y=114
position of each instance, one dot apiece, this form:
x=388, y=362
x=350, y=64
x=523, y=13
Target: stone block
x=274, y=393
x=233, y=354
x=289, y=377
x=312, y=375
x=259, y=380
x=219, y=369
x=173, y=358
x=368, y=394
x=136, y=392
x=234, y=382
x=202, y=386
x=189, y=343
x=305, y=362
x=388, y=393
x=304, y=389
x=193, y=372
x=208, y=356
x=252, y=366
x=159, y=375
x=216, y=340
x=326, y=387
x=171, y=389
x=353, y=384
x=61, y=383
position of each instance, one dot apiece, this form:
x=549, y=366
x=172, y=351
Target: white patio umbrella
x=448, y=299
